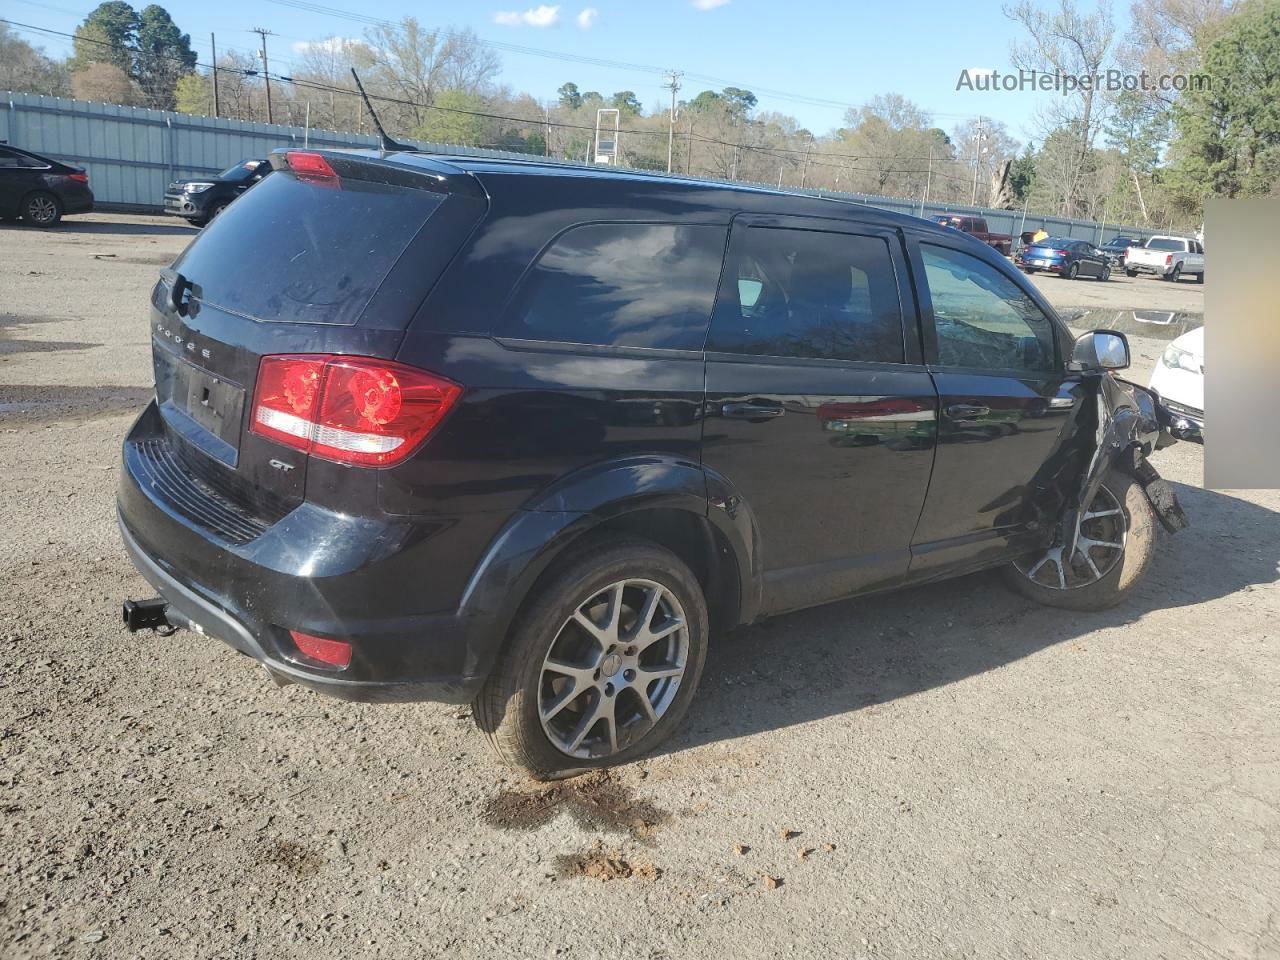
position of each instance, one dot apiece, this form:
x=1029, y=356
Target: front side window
x=623, y=284
x=982, y=318
x=806, y=293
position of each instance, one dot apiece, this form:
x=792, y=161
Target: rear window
x=304, y=252
x=1159, y=243
x=622, y=284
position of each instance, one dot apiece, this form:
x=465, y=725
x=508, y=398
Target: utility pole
x=546, y=140
x=804, y=170
x=928, y=183
x=213, y=44
x=673, y=83
x=977, y=159
x=266, y=76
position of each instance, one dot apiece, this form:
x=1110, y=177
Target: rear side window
x=805, y=293
x=305, y=252
x=622, y=284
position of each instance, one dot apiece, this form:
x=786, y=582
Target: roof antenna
x=387, y=145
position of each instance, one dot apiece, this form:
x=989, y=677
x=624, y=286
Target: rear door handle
x=752, y=411
x=966, y=411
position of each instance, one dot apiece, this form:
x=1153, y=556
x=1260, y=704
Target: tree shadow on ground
x=853, y=654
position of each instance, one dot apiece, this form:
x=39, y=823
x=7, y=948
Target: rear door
x=819, y=412
x=1006, y=408
x=19, y=174
x=304, y=264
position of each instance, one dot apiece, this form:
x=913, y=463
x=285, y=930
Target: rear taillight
x=349, y=409
x=78, y=177
x=1168, y=259
x=1059, y=253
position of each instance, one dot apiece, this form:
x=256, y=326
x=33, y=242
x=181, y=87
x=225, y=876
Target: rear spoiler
x=413, y=170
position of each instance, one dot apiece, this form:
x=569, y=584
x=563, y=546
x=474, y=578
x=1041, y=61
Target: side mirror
x=1100, y=350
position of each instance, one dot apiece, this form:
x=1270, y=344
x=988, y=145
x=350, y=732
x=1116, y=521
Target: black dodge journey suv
x=528, y=435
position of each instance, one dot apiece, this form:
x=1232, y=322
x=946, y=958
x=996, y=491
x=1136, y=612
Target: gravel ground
x=944, y=772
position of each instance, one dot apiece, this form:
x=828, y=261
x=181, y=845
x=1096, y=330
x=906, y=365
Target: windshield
x=1121, y=242
x=241, y=171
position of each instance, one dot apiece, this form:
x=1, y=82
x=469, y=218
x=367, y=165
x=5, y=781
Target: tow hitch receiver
x=148, y=615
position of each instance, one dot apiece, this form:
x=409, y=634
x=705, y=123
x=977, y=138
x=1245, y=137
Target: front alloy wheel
x=1119, y=536
x=1098, y=549
x=613, y=669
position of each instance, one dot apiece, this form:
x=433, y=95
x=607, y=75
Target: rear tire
x=1106, y=274
x=1073, y=271
x=585, y=685
x=41, y=209
x=1141, y=535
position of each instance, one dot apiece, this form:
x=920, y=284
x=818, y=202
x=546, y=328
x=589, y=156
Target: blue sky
x=841, y=51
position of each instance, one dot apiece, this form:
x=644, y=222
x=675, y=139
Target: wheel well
x=695, y=541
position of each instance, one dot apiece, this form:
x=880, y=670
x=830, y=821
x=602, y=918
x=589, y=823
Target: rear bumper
x=77, y=201
x=364, y=580
x=195, y=609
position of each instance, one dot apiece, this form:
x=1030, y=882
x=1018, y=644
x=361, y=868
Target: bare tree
x=414, y=64
x=1071, y=44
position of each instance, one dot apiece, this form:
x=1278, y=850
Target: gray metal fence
x=131, y=153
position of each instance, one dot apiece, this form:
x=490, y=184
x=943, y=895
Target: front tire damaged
x=1129, y=424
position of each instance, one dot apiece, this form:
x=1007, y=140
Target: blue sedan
x=1067, y=258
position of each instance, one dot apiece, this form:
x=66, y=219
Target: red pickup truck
x=977, y=227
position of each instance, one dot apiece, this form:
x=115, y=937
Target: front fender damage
x=1129, y=428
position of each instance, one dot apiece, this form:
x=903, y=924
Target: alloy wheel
x=42, y=209
x=1099, y=547
x=613, y=669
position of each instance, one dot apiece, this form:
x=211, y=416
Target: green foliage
x=107, y=35
x=1022, y=173
x=569, y=96
x=148, y=47
x=162, y=56
x=194, y=94
x=1228, y=135
x=447, y=126
x=625, y=100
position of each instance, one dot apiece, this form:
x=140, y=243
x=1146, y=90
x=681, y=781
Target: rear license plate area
x=204, y=408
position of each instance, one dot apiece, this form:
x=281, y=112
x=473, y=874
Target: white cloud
x=327, y=45
x=709, y=4
x=587, y=17
x=540, y=16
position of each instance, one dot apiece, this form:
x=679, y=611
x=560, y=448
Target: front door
x=819, y=412
x=1006, y=409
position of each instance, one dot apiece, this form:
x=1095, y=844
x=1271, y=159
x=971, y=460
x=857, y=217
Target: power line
x=311, y=6
x=774, y=152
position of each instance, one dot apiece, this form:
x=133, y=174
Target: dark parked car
x=1116, y=246
x=528, y=435
x=201, y=199
x=40, y=190
x=1067, y=258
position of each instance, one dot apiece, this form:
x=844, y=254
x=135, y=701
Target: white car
x=1179, y=376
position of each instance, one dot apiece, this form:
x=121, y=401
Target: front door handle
x=966, y=411
x=752, y=411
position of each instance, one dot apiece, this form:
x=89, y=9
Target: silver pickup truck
x=1167, y=257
